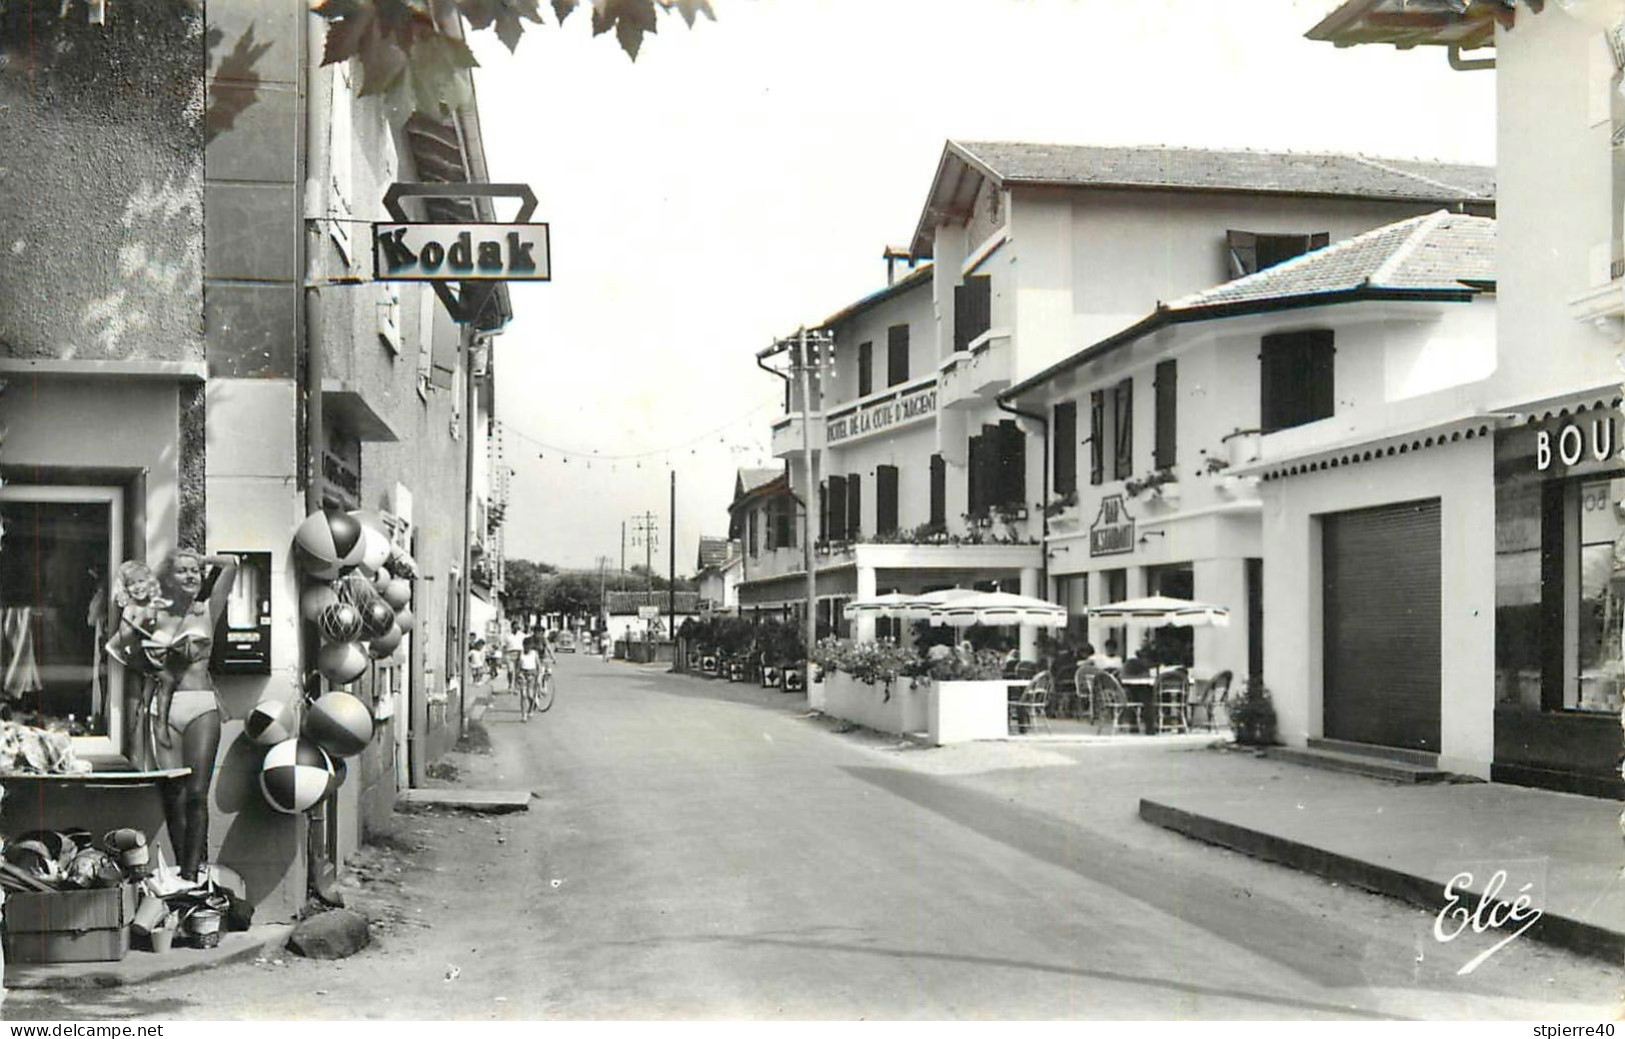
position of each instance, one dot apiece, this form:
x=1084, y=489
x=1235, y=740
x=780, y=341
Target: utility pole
x=620, y=575
x=671, y=579
x=643, y=526
x=804, y=366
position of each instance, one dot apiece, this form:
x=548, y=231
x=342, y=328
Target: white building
x=718, y=567
x=1541, y=585
x=1038, y=251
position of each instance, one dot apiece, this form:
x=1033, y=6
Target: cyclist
x=514, y=644
x=529, y=670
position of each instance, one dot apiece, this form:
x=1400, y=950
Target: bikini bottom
x=187, y=704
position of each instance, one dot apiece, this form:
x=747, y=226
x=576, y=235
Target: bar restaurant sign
x=1112, y=532
x=460, y=252
x=887, y=413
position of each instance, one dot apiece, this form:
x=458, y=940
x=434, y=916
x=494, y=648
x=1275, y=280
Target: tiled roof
x=1438, y=255
x=966, y=165
x=750, y=479
x=1407, y=23
x=1439, y=251
x=1300, y=173
x=713, y=552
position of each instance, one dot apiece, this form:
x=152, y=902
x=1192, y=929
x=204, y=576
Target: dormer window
x=1251, y=251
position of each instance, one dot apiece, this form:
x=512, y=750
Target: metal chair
x=1087, y=698
x=1173, y=688
x=1112, y=699
x=1031, y=703
x=1211, y=700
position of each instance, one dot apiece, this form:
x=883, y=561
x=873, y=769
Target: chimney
x=892, y=254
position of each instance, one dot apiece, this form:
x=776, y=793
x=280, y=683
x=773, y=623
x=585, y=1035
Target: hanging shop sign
x=890, y=412
x=1112, y=532
x=460, y=252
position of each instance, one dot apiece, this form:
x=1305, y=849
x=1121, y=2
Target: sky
x=742, y=178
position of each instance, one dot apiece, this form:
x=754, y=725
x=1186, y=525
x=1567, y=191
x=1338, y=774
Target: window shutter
x=1012, y=464
x=1123, y=463
x=973, y=476
x=939, y=491
x=837, y=508
x=989, y=490
x=896, y=354
x=1243, y=246
x=1321, y=396
x=1064, y=453
x=979, y=287
x=854, y=507
x=866, y=369
x=750, y=522
x=1167, y=383
x=823, y=510
x=961, y=318
x=1097, y=437
x=886, y=499
x=770, y=524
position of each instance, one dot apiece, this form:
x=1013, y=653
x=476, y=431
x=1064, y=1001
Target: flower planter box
x=959, y=712
x=868, y=705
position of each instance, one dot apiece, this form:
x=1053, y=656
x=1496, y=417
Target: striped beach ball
x=295, y=775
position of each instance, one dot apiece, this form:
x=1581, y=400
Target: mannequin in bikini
x=188, y=710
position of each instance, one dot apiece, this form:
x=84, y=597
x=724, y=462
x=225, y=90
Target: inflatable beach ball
x=398, y=592
x=340, y=773
x=404, y=621
x=377, y=618
x=342, y=662
x=357, y=591
x=315, y=599
x=339, y=622
x=271, y=722
x=295, y=775
x=330, y=541
x=382, y=646
x=340, y=724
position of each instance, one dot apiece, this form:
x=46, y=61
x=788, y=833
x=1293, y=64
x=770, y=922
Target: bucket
x=130, y=846
x=162, y=938
x=149, y=915
x=203, y=925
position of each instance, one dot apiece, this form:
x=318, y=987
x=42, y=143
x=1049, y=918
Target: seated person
x=1136, y=667
x=1109, y=660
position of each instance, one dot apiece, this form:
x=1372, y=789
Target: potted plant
x=1252, y=714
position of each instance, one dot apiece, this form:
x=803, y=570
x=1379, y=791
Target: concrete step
x=491, y=802
x=1359, y=764
x=1426, y=758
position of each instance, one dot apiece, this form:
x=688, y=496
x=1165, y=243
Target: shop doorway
x=1382, y=622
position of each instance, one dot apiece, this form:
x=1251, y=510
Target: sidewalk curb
x=276, y=936
x=1425, y=893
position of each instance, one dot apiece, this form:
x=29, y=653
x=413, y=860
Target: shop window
x=784, y=523
x=866, y=369
x=1559, y=607
x=1064, y=435
x=1250, y=252
x=1171, y=645
x=1296, y=384
x=973, y=310
x=1598, y=601
x=896, y=354
x=62, y=546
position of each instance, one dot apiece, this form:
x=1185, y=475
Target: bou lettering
x=428, y=252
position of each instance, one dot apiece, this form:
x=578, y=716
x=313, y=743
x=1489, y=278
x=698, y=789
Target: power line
x=593, y=455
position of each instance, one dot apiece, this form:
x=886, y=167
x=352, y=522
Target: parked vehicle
x=566, y=643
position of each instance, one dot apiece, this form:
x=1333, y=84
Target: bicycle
x=535, y=694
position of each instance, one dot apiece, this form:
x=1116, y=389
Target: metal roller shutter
x=1382, y=622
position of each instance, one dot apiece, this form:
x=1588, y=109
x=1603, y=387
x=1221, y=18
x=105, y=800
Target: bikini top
x=192, y=644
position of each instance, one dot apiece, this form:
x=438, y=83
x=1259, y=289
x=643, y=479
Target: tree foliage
x=404, y=48
x=525, y=586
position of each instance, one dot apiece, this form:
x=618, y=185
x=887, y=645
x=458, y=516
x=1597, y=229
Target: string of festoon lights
x=745, y=434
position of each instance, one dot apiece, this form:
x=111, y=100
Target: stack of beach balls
x=362, y=610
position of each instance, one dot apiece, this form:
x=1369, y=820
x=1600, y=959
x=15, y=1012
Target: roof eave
x=1362, y=22
x=1165, y=316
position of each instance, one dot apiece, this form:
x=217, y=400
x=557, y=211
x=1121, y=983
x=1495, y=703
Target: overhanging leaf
x=562, y=9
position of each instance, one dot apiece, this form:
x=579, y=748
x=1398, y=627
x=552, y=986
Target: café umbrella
x=1161, y=611
x=886, y=605
x=996, y=608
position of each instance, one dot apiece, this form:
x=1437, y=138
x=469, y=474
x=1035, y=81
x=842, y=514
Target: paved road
x=701, y=850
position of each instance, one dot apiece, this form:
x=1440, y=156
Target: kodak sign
x=460, y=252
